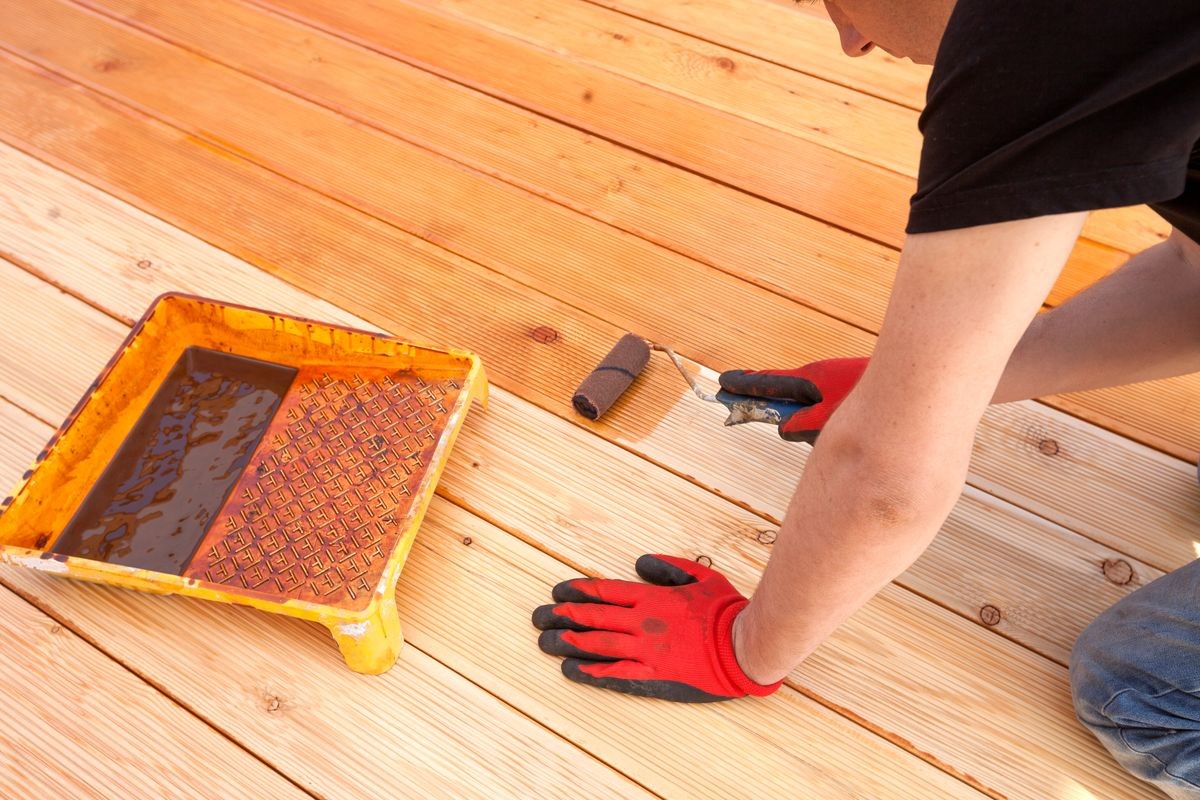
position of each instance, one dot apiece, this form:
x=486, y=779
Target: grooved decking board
x=77, y=724
x=275, y=685
x=842, y=759
x=611, y=556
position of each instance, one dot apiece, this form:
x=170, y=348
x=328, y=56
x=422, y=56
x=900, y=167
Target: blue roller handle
x=744, y=408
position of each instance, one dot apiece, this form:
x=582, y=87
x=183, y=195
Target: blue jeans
x=1135, y=680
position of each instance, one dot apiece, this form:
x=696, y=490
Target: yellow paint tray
x=246, y=457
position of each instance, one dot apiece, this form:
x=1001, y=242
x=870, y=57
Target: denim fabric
x=1135, y=680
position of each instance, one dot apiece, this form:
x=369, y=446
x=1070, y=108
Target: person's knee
x=1094, y=678
x=1133, y=685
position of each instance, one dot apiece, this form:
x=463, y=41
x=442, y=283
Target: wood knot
x=107, y=64
x=766, y=537
x=588, y=96
x=704, y=561
x=475, y=464
x=56, y=628
x=544, y=334
x=1048, y=447
x=620, y=37
x=467, y=540
x=54, y=213
x=725, y=63
x=989, y=615
x=41, y=541
x=1118, y=571
x=273, y=704
x=145, y=263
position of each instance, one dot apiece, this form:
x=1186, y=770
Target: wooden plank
x=965, y=679
x=809, y=766
x=804, y=259
x=543, y=373
x=816, y=181
x=421, y=193
x=536, y=503
x=776, y=32
x=843, y=120
x=807, y=42
x=420, y=731
x=77, y=724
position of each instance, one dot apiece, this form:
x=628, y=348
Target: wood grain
x=803, y=39
x=525, y=493
x=78, y=724
x=424, y=202
x=781, y=766
x=274, y=684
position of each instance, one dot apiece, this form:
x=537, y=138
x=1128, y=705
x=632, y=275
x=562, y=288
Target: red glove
x=671, y=638
x=822, y=384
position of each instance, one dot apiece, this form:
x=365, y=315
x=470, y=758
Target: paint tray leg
x=371, y=645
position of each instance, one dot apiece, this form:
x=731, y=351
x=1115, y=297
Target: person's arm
x=1137, y=324
x=891, y=463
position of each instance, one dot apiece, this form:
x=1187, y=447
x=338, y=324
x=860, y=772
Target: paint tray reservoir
x=236, y=455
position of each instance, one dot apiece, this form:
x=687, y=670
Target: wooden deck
x=529, y=179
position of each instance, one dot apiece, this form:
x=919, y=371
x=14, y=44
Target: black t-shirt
x=1050, y=106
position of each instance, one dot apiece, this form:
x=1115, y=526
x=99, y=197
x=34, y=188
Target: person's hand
x=670, y=638
x=823, y=385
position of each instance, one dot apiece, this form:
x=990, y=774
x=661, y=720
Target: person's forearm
x=1138, y=324
x=852, y=526
x=890, y=463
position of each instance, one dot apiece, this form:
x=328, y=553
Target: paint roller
x=605, y=384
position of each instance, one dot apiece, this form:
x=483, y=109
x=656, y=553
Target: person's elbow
x=890, y=488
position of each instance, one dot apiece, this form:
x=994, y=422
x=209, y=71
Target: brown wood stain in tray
x=155, y=500
x=321, y=503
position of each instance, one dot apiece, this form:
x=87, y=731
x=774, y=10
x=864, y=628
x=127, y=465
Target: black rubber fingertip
x=567, y=592
x=661, y=690
x=552, y=642
x=809, y=437
x=571, y=669
x=657, y=571
x=765, y=384
x=545, y=618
